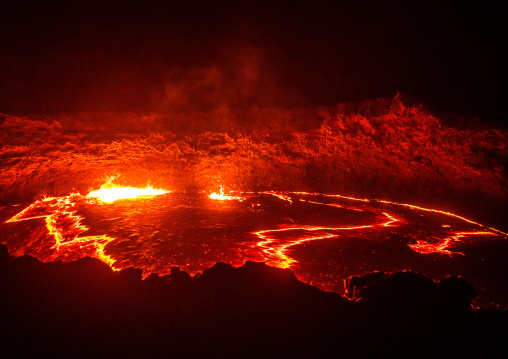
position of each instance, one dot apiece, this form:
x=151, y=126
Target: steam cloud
x=241, y=77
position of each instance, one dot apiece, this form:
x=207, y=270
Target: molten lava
x=322, y=238
x=223, y=197
x=65, y=227
x=109, y=193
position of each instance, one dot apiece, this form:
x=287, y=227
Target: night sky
x=177, y=56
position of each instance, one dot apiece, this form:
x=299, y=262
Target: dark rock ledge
x=84, y=309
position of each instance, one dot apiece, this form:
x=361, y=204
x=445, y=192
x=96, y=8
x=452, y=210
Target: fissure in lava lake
x=323, y=238
x=391, y=151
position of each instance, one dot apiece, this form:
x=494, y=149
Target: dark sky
x=111, y=55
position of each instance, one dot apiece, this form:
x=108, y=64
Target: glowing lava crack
x=274, y=245
x=65, y=226
x=277, y=251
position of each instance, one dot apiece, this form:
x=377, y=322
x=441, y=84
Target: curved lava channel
x=273, y=227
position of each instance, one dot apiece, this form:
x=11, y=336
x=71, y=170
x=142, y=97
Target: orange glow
x=109, y=193
x=276, y=250
x=442, y=244
x=223, y=197
x=273, y=246
x=65, y=227
x=449, y=214
x=282, y=196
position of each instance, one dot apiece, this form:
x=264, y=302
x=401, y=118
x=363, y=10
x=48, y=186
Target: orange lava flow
x=65, y=227
x=442, y=244
x=109, y=193
x=277, y=249
x=274, y=246
x=282, y=196
x=223, y=197
x=449, y=214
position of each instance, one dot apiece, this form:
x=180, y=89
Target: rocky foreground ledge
x=84, y=309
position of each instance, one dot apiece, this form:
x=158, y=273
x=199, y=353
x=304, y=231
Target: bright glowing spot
x=223, y=197
x=111, y=193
